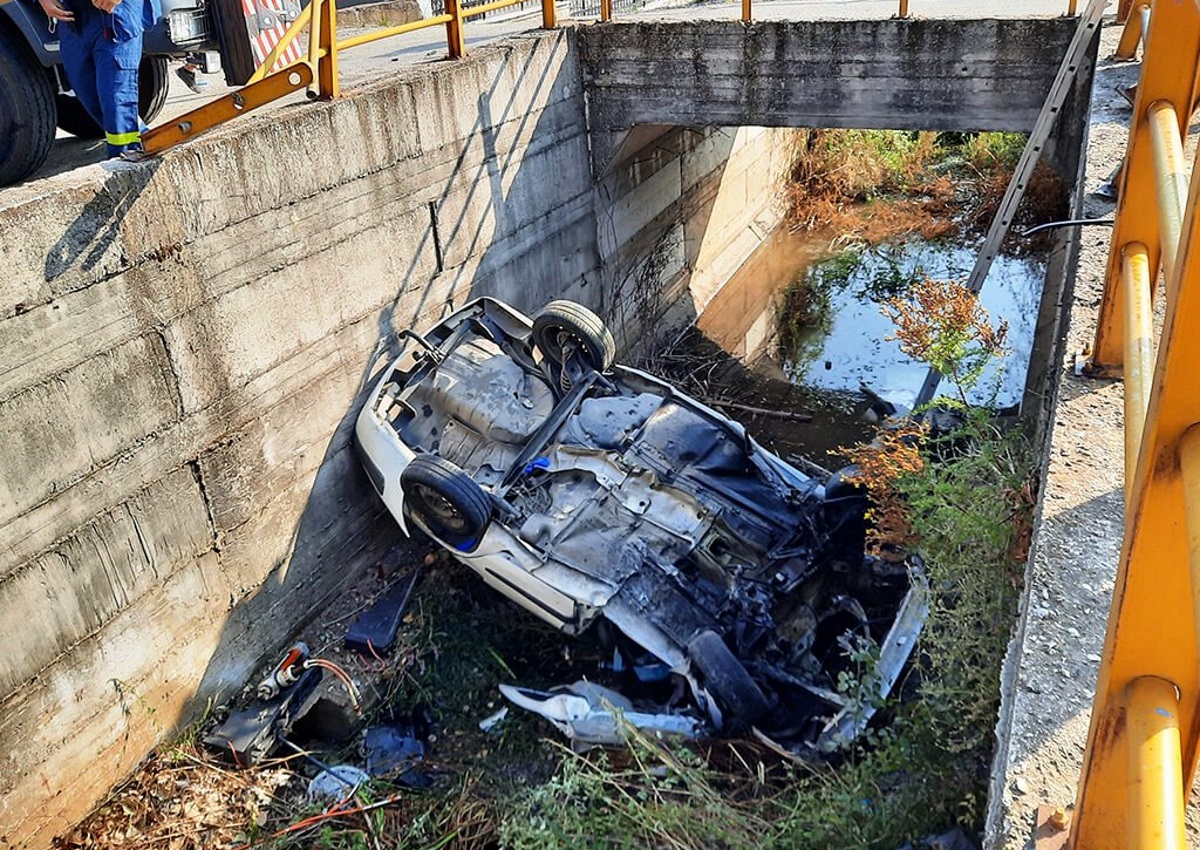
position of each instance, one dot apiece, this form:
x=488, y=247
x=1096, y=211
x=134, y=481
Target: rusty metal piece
x=1060, y=819
x=1051, y=830
x=281, y=84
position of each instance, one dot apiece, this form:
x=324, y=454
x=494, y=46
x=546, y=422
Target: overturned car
x=586, y=491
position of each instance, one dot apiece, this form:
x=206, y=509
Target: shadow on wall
x=498, y=224
x=650, y=228
x=216, y=505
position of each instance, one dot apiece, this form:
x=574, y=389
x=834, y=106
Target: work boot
x=189, y=79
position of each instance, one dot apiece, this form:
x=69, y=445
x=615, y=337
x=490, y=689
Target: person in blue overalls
x=101, y=47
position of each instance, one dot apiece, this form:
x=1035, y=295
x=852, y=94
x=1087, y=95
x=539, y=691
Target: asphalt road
x=373, y=60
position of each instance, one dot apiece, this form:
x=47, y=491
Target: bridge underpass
x=236, y=287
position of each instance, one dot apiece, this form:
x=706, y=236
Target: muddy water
x=849, y=348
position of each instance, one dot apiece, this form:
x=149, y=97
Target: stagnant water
x=848, y=348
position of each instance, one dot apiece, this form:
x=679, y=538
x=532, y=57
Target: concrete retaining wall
x=890, y=74
x=676, y=216
x=182, y=346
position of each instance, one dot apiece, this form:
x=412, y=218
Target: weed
x=943, y=324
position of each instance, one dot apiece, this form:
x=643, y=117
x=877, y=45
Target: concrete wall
x=677, y=212
x=184, y=342
x=889, y=74
x=182, y=346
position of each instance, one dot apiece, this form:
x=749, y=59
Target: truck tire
x=153, y=83
x=26, y=112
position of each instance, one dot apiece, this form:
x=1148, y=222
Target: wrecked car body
x=588, y=492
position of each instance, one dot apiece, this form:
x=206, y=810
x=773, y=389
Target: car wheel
x=446, y=501
x=152, y=95
x=564, y=327
x=741, y=701
x=26, y=111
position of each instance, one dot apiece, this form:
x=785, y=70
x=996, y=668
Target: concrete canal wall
x=183, y=344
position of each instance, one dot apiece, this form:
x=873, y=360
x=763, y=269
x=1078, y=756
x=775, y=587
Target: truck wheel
x=152, y=95
x=26, y=112
x=74, y=119
x=153, y=84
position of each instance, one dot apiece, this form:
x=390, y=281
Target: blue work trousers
x=101, y=53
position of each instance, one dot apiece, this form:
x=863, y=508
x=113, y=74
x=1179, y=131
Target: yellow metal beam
x=1139, y=352
x=1170, y=177
x=484, y=8
x=746, y=11
x=1189, y=464
x=287, y=81
x=456, y=44
x=328, y=82
x=1131, y=35
x=1173, y=42
x=1152, y=623
x=1156, y=778
x=388, y=32
x=549, y=14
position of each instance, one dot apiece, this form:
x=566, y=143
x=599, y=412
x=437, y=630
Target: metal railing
x=1144, y=738
x=318, y=71
x=1072, y=9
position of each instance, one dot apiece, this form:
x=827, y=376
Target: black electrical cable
x=1071, y=222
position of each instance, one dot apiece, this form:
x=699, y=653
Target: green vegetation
x=965, y=498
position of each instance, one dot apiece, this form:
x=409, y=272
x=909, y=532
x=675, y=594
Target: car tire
x=153, y=84
x=741, y=701
x=563, y=321
x=446, y=501
x=26, y=111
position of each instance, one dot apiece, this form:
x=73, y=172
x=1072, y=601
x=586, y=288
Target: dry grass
x=876, y=186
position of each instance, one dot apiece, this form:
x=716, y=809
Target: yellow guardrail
x=1144, y=739
x=318, y=71
x=1072, y=9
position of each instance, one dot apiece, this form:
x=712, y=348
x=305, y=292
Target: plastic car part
x=446, y=501
x=375, y=630
x=741, y=701
x=592, y=715
x=564, y=326
x=252, y=734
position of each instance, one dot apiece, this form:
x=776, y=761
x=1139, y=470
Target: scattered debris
x=251, y=734
x=374, y=632
x=336, y=783
x=493, y=720
x=592, y=715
